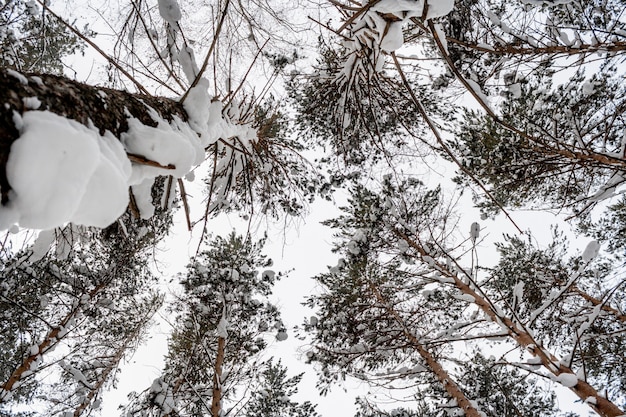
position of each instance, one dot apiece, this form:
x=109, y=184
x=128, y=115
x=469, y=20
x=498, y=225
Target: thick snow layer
x=568, y=380
x=142, y=193
x=591, y=251
x=393, y=39
x=438, y=8
x=197, y=105
x=168, y=144
x=61, y=171
x=441, y=35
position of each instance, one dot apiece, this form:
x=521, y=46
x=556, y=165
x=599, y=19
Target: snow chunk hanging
x=591, y=251
x=61, y=171
x=169, y=11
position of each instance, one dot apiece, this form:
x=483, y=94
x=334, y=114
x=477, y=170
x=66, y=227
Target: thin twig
x=208, y=55
x=96, y=47
x=442, y=143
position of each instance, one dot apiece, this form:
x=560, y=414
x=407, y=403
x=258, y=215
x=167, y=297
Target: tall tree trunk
x=582, y=389
x=216, y=402
x=51, y=339
x=448, y=383
x=121, y=351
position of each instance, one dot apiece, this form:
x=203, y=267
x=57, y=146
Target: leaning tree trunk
x=51, y=339
x=521, y=336
x=103, y=108
x=446, y=380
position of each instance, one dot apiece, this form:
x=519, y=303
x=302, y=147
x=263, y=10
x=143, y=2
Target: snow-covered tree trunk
x=69, y=151
x=102, y=108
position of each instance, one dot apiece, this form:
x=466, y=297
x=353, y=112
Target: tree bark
x=104, y=108
x=51, y=339
x=216, y=403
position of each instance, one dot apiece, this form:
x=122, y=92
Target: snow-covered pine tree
x=399, y=235
x=75, y=305
x=272, y=394
x=31, y=40
x=222, y=323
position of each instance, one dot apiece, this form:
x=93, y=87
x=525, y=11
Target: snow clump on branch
x=62, y=171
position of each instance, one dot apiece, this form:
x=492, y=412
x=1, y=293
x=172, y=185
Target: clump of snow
x=42, y=245
x=438, y=8
x=591, y=251
x=222, y=328
x=282, y=335
x=588, y=88
x=32, y=103
x=170, y=11
x=197, y=105
x=474, y=231
x=441, y=35
x=168, y=144
x=393, y=39
x=142, y=194
x=379, y=29
x=37, y=80
x=567, y=380
x=61, y=171
x=478, y=91
x=268, y=274
x=20, y=77
x=515, y=90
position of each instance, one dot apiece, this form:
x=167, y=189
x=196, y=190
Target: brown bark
x=582, y=389
x=448, y=383
x=104, y=108
x=133, y=337
x=51, y=339
x=216, y=402
x=101, y=381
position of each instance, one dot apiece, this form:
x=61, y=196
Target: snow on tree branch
x=69, y=151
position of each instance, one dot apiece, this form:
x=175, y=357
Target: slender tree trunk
x=582, y=389
x=52, y=338
x=448, y=383
x=115, y=360
x=216, y=402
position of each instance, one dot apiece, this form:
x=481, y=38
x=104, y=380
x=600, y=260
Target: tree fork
x=105, y=108
x=582, y=389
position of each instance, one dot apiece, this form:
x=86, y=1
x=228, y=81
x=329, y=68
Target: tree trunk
x=582, y=389
x=216, y=403
x=51, y=339
x=104, y=108
x=448, y=383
